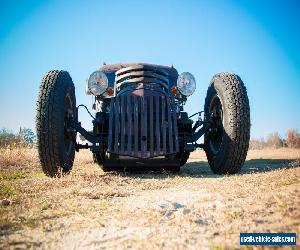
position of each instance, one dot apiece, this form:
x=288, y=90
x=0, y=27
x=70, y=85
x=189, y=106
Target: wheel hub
x=216, y=131
x=68, y=131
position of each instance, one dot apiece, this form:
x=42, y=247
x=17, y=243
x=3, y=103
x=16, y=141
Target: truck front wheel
x=56, y=106
x=227, y=108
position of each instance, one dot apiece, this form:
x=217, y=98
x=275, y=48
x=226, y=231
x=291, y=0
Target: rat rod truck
x=140, y=121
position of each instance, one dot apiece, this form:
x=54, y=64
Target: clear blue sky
x=259, y=40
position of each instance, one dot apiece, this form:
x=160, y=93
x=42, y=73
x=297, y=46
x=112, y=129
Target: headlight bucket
x=186, y=83
x=97, y=83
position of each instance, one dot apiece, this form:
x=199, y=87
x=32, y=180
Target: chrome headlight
x=186, y=83
x=97, y=83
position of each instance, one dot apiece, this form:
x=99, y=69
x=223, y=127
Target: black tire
x=179, y=156
x=99, y=158
x=183, y=156
x=227, y=107
x=108, y=167
x=55, y=141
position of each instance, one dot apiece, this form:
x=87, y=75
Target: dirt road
x=194, y=209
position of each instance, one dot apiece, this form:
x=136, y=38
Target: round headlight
x=97, y=83
x=186, y=83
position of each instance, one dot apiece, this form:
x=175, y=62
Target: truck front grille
x=142, y=125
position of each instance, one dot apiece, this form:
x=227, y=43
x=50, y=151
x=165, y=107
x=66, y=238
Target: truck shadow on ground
x=250, y=166
x=201, y=169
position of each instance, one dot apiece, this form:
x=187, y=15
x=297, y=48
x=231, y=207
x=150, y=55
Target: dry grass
x=194, y=209
x=19, y=157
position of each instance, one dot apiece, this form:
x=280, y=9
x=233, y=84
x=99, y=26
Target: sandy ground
x=194, y=209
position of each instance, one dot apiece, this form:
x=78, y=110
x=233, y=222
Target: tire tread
x=239, y=122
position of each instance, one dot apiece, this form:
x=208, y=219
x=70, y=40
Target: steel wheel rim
x=68, y=134
x=217, y=118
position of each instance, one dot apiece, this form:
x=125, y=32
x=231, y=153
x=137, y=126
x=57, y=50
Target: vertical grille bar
x=129, y=121
x=136, y=124
x=144, y=126
x=163, y=123
x=123, y=127
x=110, y=132
x=170, y=127
x=157, y=128
x=117, y=125
x=174, y=116
x=151, y=127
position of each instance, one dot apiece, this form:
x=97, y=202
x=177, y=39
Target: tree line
x=26, y=137
x=274, y=140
